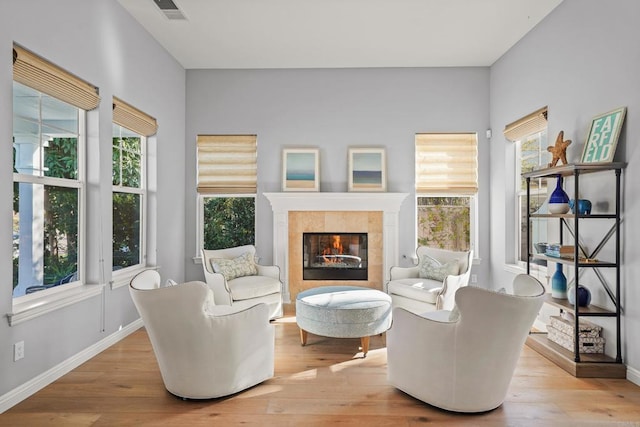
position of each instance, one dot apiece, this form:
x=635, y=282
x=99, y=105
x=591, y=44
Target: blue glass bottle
x=559, y=200
x=559, y=283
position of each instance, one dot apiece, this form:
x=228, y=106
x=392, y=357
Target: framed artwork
x=367, y=169
x=300, y=169
x=603, y=136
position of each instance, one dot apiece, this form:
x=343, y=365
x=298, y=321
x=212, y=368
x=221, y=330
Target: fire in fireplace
x=334, y=256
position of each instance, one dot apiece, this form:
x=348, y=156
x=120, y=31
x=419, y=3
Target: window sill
x=122, y=278
x=40, y=306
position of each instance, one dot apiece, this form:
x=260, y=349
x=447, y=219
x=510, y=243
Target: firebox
x=334, y=256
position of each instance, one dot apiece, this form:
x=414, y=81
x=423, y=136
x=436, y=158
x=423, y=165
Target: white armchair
x=463, y=360
x=236, y=279
x=428, y=286
x=203, y=350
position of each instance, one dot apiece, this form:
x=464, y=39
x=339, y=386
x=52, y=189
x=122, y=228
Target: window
x=47, y=180
x=446, y=187
x=48, y=174
x=130, y=130
x=128, y=198
x=530, y=136
x=226, y=190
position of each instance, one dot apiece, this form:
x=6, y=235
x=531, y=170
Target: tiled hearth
x=295, y=213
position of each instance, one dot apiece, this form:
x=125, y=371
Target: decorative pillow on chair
x=431, y=268
x=244, y=265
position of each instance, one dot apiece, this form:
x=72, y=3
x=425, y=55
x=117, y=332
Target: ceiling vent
x=169, y=9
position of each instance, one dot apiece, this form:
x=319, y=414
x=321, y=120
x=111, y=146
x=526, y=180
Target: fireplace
x=374, y=213
x=334, y=256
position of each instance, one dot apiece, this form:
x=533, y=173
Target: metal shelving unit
x=592, y=365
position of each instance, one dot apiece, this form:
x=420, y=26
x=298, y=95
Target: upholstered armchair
x=463, y=360
x=236, y=279
x=203, y=350
x=432, y=283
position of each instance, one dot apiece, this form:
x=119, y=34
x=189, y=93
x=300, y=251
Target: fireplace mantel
x=282, y=203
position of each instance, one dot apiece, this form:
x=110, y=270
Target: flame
x=336, y=248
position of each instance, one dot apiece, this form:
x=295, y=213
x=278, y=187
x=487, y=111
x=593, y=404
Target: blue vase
x=584, y=296
x=559, y=283
x=559, y=200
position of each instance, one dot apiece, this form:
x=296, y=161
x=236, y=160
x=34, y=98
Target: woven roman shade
x=227, y=164
x=528, y=125
x=133, y=119
x=447, y=163
x=31, y=70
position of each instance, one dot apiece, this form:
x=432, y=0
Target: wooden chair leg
x=364, y=343
x=303, y=337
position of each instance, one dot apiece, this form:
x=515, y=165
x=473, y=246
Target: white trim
x=120, y=278
x=36, y=384
x=281, y=203
x=36, y=307
x=633, y=375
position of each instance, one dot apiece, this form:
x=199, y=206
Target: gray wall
x=100, y=42
x=333, y=110
x=582, y=60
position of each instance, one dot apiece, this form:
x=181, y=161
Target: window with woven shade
x=131, y=127
x=446, y=179
x=529, y=135
x=49, y=146
x=227, y=185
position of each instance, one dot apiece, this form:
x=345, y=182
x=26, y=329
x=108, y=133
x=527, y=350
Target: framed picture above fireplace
x=300, y=169
x=367, y=169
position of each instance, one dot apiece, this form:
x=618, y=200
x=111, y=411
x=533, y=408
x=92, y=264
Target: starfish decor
x=559, y=150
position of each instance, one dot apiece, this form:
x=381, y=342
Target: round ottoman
x=343, y=312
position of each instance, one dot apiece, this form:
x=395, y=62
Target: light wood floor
x=324, y=383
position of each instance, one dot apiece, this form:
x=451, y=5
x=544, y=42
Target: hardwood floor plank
x=326, y=382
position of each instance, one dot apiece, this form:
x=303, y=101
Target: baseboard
x=633, y=375
x=36, y=384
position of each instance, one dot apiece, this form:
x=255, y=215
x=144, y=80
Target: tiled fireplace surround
x=295, y=213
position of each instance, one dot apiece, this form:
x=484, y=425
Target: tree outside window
x=128, y=197
x=228, y=222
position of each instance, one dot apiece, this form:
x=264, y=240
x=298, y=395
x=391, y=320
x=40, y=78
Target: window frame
x=142, y=191
x=521, y=191
x=80, y=184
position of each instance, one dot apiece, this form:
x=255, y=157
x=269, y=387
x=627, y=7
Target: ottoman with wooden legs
x=343, y=312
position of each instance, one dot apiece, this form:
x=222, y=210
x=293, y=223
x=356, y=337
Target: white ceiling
x=340, y=33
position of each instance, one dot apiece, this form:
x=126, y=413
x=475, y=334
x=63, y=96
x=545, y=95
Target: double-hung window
x=130, y=130
x=446, y=187
x=529, y=134
x=227, y=185
x=48, y=175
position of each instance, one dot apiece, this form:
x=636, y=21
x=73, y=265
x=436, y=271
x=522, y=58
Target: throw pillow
x=431, y=268
x=244, y=265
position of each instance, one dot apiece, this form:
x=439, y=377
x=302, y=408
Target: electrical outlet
x=18, y=351
x=474, y=278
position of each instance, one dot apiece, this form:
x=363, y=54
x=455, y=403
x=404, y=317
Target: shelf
x=571, y=216
x=569, y=261
x=571, y=169
x=580, y=365
x=590, y=365
x=591, y=310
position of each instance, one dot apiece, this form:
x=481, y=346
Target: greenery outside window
x=446, y=187
x=48, y=147
x=128, y=198
x=228, y=221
